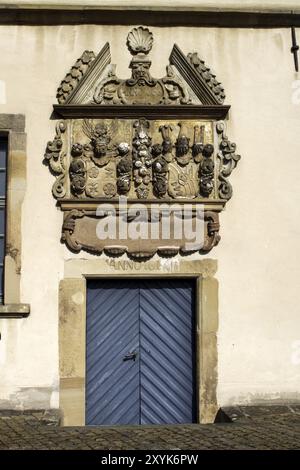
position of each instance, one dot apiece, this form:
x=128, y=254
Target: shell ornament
x=140, y=40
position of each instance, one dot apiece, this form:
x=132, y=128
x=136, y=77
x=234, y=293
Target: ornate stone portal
x=151, y=141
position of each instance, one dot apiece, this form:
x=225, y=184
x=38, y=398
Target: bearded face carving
x=140, y=73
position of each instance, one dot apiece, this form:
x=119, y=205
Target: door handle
x=130, y=356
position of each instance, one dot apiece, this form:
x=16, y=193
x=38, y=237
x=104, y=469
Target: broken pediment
x=93, y=79
x=151, y=141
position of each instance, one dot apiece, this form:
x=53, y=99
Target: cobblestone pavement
x=37, y=430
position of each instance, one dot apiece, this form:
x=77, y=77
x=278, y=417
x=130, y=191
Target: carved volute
x=145, y=139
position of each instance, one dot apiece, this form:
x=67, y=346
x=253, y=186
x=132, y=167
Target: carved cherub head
x=124, y=166
x=160, y=165
x=156, y=150
x=76, y=150
x=208, y=150
x=123, y=149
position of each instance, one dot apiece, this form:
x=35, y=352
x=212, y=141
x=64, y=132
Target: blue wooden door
x=140, y=352
x=112, y=384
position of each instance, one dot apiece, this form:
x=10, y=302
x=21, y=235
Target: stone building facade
x=114, y=130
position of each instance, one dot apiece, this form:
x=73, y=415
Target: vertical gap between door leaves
x=139, y=357
x=194, y=352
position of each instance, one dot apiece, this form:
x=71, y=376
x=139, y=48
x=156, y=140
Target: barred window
x=3, y=162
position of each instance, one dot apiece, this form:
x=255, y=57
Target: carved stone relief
x=139, y=158
x=172, y=148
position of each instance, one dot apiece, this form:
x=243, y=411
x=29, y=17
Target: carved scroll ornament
x=55, y=156
x=228, y=161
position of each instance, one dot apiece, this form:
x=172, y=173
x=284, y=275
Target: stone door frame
x=72, y=326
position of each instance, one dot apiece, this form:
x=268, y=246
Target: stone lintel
x=14, y=310
x=12, y=122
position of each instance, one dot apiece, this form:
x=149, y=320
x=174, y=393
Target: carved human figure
x=183, y=172
x=206, y=171
x=160, y=171
x=183, y=153
x=167, y=144
x=198, y=143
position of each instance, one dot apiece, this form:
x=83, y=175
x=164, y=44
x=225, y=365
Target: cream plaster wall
x=258, y=256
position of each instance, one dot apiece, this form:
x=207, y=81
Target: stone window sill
x=14, y=310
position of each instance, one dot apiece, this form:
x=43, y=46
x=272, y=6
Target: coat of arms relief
x=150, y=140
